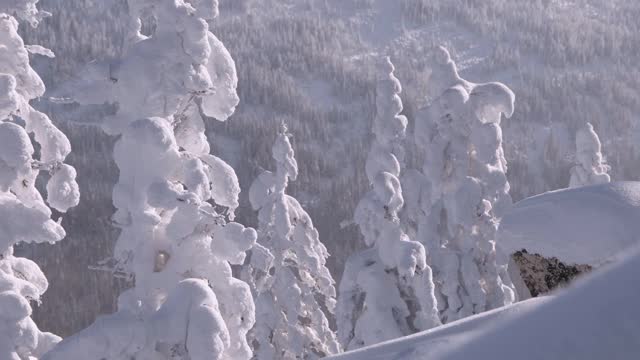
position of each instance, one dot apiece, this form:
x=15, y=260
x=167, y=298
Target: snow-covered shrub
x=174, y=199
x=293, y=302
x=24, y=215
x=465, y=192
x=387, y=290
x=590, y=168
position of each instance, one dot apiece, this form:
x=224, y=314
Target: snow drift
x=596, y=320
x=440, y=339
x=579, y=323
x=586, y=225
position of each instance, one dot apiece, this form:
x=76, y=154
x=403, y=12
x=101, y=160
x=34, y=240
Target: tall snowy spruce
x=590, y=168
x=293, y=303
x=24, y=215
x=464, y=192
x=386, y=290
x=174, y=199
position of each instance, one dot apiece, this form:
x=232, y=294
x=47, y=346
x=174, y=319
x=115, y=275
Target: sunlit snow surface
x=586, y=225
x=439, y=340
x=596, y=319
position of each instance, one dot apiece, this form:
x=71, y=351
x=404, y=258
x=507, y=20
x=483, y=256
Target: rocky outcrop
x=542, y=275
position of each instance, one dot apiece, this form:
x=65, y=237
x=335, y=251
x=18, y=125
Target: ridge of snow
x=586, y=225
x=437, y=340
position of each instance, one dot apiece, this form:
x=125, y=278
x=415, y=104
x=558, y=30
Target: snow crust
x=438, y=340
x=585, y=225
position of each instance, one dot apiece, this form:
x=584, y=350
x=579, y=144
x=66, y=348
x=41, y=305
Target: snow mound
x=440, y=339
x=579, y=323
x=586, y=225
x=596, y=320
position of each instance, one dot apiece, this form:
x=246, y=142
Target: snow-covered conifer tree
x=173, y=199
x=293, y=303
x=24, y=215
x=465, y=192
x=590, y=168
x=387, y=290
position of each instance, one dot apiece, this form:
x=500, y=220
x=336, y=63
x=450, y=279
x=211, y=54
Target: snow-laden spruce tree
x=293, y=303
x=24, y=215
x=387, y=290
x=464, y=193
x=590, y=168
x=173, y=198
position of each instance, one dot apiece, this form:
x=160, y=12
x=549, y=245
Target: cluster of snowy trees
x=307, y=71
x=565, y=73
x=204, y=286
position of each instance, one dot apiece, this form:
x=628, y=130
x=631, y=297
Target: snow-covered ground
x=586, y=225
x=438, y=340
x=596, y=319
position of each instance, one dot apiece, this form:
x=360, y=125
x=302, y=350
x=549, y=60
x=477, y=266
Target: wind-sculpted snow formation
x=590, y=168
x=463, y=193
x=24, y=215
x=574, y=323
x=595, y=319
x=387, y=290
x=590, y=225
x=296, y=292
x=174, y=199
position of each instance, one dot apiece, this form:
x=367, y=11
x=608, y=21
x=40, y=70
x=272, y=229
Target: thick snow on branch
x=295, y=292
x=187, y=326
x=590, y=168
x=464, y=193
x=173, y=200
x=24, y=215
x=387, y=290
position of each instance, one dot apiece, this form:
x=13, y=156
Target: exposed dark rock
x=542, y=275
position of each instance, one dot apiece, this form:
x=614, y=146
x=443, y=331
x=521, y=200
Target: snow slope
x=586, y=225
x=596, y=320
x=579, y=323
x=437, y=340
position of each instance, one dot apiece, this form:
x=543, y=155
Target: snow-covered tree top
x=487, y=100
x=590, y=168
x=282, y=152
x=588, y=146
x=389, y=125
x=26, y=216
x=163, y=74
